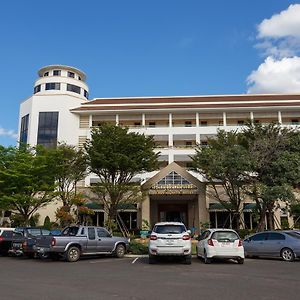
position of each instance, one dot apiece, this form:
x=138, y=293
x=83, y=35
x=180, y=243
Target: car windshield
x=225, y=236
x=294, y=234
x=70, y=231
x=169, y=229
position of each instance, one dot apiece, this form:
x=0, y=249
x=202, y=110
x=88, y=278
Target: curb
x=135, y=255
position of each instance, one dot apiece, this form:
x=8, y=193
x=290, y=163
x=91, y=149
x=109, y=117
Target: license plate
x=170, y=242
x=224, y=244
x=17, y=245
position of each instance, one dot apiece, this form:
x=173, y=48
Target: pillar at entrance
x=146, y=209
x=202, y=209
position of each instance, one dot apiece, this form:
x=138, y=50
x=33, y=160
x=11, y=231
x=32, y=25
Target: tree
x=224, y=162
x=70, y=166
x=26, y=180
x=116, y=156
x=275, y=159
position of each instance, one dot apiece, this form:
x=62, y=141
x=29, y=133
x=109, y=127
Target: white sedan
x=220, y=244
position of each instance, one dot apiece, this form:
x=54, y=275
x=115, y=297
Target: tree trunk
x=270, y=220
x=112, y=218
x=262, y=220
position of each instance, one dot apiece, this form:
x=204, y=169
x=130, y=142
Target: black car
x=23, y=244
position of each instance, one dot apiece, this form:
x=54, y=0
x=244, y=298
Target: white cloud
x=8, y=133
x=279, y=39
x=276, y=76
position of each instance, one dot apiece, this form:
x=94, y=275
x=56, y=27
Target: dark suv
x=24, y=242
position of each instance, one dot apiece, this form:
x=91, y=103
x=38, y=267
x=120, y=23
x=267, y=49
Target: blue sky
x=143, y=48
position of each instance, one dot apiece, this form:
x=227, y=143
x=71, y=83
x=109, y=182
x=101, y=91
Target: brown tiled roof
x=197, y=102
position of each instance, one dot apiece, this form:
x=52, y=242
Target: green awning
x=248, y=207
x=98, y=206
x=94, y=205
x=216, y=207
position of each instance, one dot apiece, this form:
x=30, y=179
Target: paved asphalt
x=111, y=278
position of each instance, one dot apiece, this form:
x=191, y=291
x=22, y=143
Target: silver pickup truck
x=76, y=241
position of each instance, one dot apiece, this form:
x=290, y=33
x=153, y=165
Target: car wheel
x=73, y=254
x=187, y=260
x=120, y=251
x=287, y=254
x=206, y=259
x=240, y=261
x=152, y=259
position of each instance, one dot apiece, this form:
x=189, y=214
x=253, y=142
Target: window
x=71, y=74
x=151, y=124
x=203, y=123
x=173, y=178
x=70, y=231
x=223, y=236
x=175, y=229
x=137, y=124
x=188, y=124
x=45, y=232
x=79, y=78
x=91, y=233
x=34, y=231
x=47, y=129
x=56, y=73
x=274, y=236
x=46, y=74
x=295, y=121
x=189, y=143
x=86, y=94
x=73, y=88
x=259, y=237
x=24, y=129
x=53, y=86
x=240, y=122
x=101, y=232
x=37, y=89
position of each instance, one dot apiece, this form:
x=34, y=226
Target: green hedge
x=138, y=248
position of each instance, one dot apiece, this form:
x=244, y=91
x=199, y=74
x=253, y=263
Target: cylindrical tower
x=60, y=79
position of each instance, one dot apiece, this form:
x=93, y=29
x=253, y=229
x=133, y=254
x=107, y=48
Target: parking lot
x=131, y=278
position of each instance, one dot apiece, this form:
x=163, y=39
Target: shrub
x=138, y=248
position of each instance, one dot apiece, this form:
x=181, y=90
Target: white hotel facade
x=59, y=111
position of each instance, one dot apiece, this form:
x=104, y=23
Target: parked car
x=284, y=244
x=6, y=237
x=220, y=244
x=76, y=241
x=170, y=239
x=23, y=243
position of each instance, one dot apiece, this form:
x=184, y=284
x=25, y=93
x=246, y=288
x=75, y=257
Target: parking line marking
x=135, y=260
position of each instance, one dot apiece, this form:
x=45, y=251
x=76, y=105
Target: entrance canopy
x=171, y=180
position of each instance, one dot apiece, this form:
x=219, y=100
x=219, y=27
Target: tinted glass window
x=24, y=129
x=274, y=236
x=53, y=86
x=73, y=88
x=47, y=129
x=71, y=74
x=46, y=74
x=169, y=229
x=225, y=236
x=56, y=73
x=101, y=232
x=91, y=233
x=72, y=231
x=204, y=235
x=37, y=89
x=86, y=94
x=259, y=237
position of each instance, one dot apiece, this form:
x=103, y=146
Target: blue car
x=284, y=244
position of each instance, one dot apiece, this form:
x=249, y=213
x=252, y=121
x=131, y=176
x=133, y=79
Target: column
x=197, y=119
x=146, y=208
x=117, y=119
x=170, y=120
x=251, y=117
x=90, y=121
x=170, y=139
x=224, y=119
x=279, y=117
x=171, y=157
x=198, y=138
x=143, y=120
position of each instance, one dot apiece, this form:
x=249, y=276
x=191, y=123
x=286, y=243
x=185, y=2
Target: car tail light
x=240, y=243
x=210, y=242
x=1, y=238
x=53, y=242
x=153, y=237
x=24, y=244
x=186, y=237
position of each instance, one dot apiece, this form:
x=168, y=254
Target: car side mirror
x=189, y=232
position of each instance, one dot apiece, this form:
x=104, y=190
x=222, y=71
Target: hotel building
x=60, y=111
